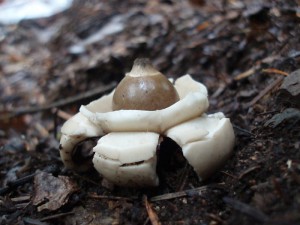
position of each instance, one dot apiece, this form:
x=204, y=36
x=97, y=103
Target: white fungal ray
x=128, y=147
x=124, y=120
x=208, y=150
x=191, y=106
x=190, y=131
x=186, y=85
x=67, y=147
x=75, y=130
x=79, y=125
x=127, y=159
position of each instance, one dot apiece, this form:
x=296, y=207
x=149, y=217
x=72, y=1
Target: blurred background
x=57, y=55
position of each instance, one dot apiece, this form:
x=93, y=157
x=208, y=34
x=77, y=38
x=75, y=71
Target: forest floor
x=247, y=54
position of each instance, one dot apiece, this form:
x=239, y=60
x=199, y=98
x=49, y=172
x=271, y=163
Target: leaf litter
x=233, y=47
x=51, y=193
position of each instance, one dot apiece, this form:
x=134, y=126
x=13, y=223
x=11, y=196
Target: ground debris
x=246, y=209
x=95, y=212
x=51, y=192
x=191, y=192
x=241, y=50
x=290, y=89
x=151, y=213
x=290, y=115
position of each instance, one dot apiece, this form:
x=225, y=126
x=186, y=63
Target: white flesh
x=127, y=159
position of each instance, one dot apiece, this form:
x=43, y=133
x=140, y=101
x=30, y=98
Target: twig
x=95, y=196
x=24, y=198
x=253, y=70
x=14, y=184
x=56, y=216
x=268, y=112
x=265, y=91
x=190, y=192
x=151, y=213
x=215, y=218
x=276, y=71
x=242, y=174
x=245, y=74
x=228, y=174
x=243, y=130
x=60, y=103
x=62, y=114
x=28, y=220
x=246, y=209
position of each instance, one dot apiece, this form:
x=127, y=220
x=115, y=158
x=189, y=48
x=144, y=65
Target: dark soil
x=241, y=50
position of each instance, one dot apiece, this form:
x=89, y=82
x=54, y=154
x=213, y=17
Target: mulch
x=247, y=53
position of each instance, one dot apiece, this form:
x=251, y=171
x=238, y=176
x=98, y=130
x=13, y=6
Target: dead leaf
x=96, y=212
x=287, y=114
x=18, y=123
x=290, y=89
x=51, y=192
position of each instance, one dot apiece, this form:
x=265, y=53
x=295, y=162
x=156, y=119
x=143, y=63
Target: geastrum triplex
x=131, y=119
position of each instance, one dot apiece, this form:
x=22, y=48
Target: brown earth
x=247, y=54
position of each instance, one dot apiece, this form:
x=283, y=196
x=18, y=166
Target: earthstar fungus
x=130, y=120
